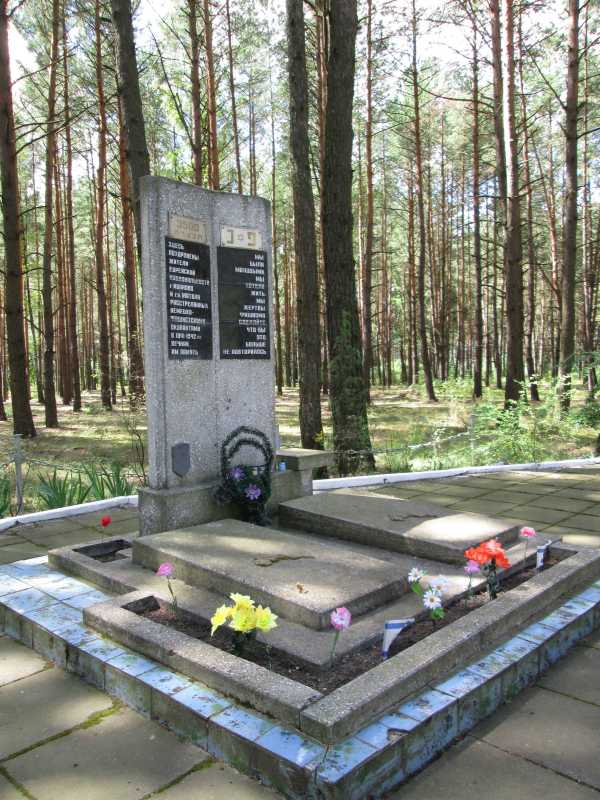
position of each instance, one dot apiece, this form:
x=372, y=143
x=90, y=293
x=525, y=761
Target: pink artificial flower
x=105, y=521
x=341, y=618
x=471, y=567
x=165, y=570
x=528, y=533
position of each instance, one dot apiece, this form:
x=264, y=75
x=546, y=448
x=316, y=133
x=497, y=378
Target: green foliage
x=588, y=415
x=56, y=491
x=397, y=457
x=5, y=495
x=107, y=481
x=522, y=432
x=100, y=483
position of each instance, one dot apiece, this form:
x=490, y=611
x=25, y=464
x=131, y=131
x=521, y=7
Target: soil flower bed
x=353, y=664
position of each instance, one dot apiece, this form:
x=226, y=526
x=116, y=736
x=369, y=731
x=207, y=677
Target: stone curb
x=369, y=763
x=247, y=682
x=344, y=710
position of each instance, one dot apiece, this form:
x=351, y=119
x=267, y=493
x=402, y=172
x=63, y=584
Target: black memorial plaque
x=189, y=313
x=243, y=303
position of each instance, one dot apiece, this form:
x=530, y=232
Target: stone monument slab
x=207, y=282
x=422, y=529
x=298, y=576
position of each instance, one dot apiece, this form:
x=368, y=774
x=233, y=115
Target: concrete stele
x=199, y=401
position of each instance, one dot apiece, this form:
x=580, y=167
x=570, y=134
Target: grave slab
x=422, y=529
x=299, y=577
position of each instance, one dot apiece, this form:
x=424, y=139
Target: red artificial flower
x=487, y=551
x=105, y=521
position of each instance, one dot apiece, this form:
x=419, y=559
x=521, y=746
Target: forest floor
x=400, y=420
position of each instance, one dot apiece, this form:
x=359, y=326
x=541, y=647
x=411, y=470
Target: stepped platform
x=404, y=526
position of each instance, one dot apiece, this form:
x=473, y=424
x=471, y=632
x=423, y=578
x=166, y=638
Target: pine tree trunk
x=234, y=121
x=71, y=273
x=129, y=89
x=367, y=288
x=134, y=344
x=50, y=412
x=104, y=346
x=531, y=259
x=515, y=374
x=13, y=286
x=478, y=360
x=422, y=324
x=196, y=98
x=348, y=395
x=567, y=331
x=305, y=247
x=214, y=181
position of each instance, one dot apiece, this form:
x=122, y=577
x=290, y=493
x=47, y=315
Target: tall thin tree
x=425, y=357
x=138, y=158
x=305, y=246
x=11, y=218
x=515, y=374
x=567, y=331
x=50, y=412
x=348, y=396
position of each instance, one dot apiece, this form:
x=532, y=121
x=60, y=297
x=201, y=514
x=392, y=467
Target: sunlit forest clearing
x=401, y=420
x=434, y=185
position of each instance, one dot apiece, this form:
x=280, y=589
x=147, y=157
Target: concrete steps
x=419, y=529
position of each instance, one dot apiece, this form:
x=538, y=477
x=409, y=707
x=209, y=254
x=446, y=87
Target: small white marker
x=391, y=629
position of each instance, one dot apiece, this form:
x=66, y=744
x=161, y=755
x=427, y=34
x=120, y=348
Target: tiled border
x=43, y=608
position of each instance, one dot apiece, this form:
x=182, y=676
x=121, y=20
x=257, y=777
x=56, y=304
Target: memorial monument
x=209, y=357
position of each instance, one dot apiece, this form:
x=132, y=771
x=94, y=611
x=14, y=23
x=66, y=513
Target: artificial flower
x=341, y=618
x=105, y=521
x=471, y=567
x=220, y=617
x=528, y=533
x=253, y=492
x=243, y=619
x=242, y=600
x=432, y=599
x=165, y=570
x=265, y=619
x=416, y=574
x=439, y=584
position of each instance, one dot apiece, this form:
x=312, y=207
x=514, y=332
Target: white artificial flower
x=415, y=575
x=439, y=584
x=432, y=600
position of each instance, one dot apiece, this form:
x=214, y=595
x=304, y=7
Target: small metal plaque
x=188, y=228
x=244, y=238
x=180, y=456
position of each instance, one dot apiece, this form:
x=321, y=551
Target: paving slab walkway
x=61, y=739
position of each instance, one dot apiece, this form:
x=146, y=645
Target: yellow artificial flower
x=220, y=616
x=265, y=619
x=243, y=620
x=242, y=600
